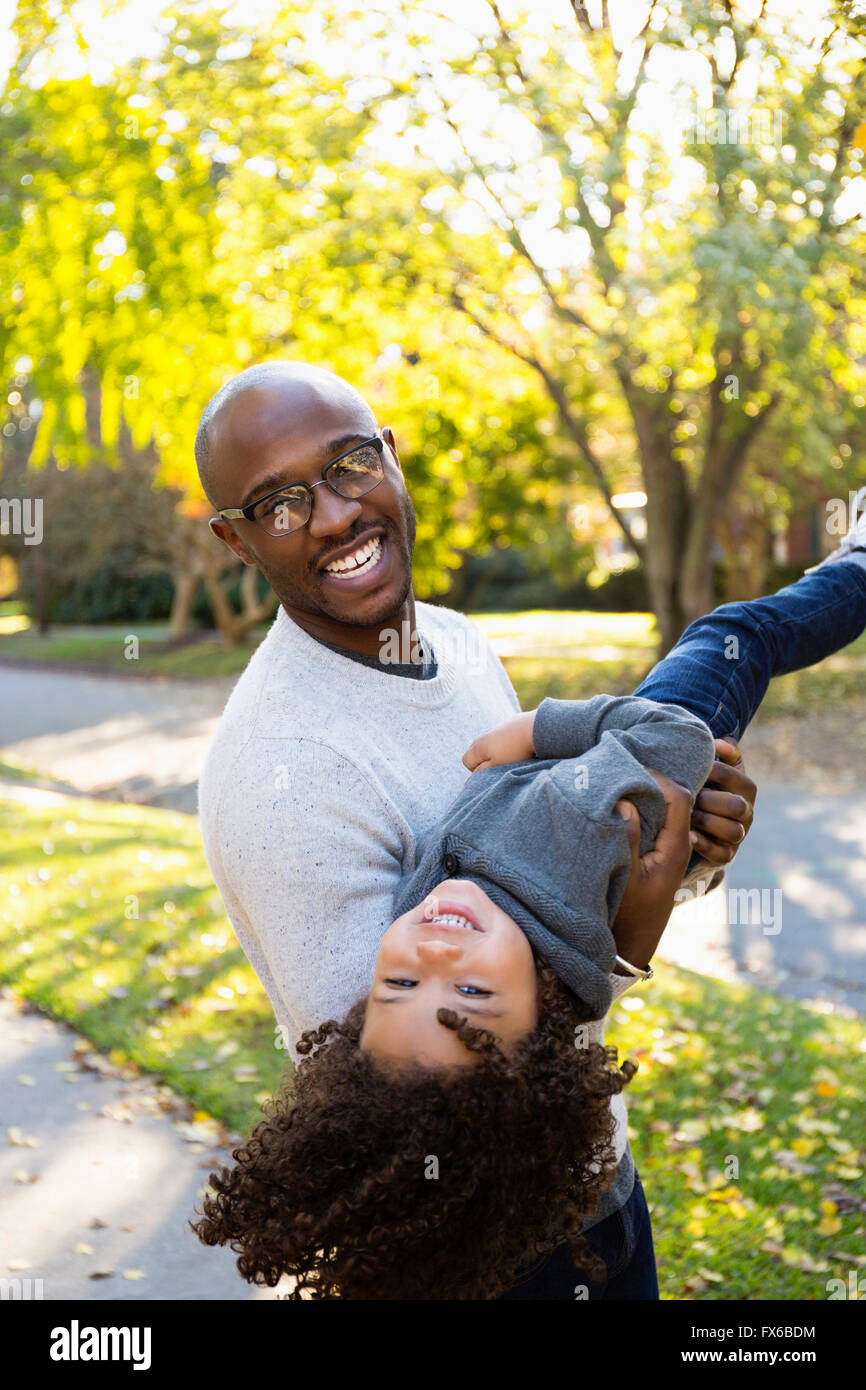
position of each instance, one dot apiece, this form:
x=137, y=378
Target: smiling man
x=333, y=760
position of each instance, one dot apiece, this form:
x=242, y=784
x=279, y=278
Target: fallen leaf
x=829, y=1225
x=16, y=1137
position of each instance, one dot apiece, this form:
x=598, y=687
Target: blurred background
x=601, y=268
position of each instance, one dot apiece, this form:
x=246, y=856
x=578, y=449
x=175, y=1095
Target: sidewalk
x=100, y=1170
x=128, y=740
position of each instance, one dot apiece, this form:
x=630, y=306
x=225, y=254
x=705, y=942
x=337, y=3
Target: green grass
x=97, y=897
x=105, y=650
x=17, y=772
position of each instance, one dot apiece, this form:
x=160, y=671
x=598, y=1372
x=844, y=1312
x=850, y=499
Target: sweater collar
x=433, y=627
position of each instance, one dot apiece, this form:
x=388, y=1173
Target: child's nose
x=438, y=949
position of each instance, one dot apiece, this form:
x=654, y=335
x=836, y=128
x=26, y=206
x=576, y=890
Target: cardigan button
x=450, y=864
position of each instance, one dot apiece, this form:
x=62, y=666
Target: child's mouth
x=454, y=915
x=451, y=919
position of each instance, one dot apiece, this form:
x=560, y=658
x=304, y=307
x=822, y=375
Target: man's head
x=282, y=422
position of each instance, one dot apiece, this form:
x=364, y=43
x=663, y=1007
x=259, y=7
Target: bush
x=112, y=592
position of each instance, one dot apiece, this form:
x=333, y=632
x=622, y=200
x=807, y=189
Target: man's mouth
x=367, y=561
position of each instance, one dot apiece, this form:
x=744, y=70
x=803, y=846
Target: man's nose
x=438, y=950
x=331, y=512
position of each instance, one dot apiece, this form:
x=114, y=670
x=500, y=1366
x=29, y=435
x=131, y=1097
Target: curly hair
x=363, y=1183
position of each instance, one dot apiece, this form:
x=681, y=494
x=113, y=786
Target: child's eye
x=399, y=982
x=473, y=989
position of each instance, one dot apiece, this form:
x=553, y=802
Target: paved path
x=792, y=913
x=133, y=740
x=99, y=1175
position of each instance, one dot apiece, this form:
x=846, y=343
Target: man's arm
x=655, y=877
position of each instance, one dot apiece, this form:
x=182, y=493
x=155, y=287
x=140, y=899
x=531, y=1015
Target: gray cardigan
x=542, y=837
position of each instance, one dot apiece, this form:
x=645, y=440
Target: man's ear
x=388, y=436
x=226, y=533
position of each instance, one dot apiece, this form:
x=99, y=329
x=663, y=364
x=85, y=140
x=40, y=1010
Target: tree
x=160, y=248
x=550, y=254
x=700, y=290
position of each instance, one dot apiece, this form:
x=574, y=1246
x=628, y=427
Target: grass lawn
x=104, y=649
x=746, y=1112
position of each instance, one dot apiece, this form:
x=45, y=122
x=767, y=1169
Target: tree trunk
x=253, y=609
x=41, y=593
x=668, y=513
x=185, y=579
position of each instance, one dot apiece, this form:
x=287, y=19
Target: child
x=395, y=1170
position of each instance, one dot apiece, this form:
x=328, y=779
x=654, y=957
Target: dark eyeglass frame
x=247, y=512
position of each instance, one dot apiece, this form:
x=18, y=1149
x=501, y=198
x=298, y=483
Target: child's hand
x=510, y=742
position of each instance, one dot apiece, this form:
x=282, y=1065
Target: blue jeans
x=721, y=666
x=623, y=1240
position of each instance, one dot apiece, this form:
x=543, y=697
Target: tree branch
x=573, y=425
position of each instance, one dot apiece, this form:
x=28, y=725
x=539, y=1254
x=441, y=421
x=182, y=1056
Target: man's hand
x=725, y=808
x=654, y=879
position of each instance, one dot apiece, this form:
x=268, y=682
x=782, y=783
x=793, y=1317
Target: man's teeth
x=454, y=920
x=362, y=559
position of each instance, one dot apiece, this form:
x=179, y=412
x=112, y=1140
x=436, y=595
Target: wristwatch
x=635, y=970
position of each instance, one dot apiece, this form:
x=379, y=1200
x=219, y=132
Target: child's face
x=485, y=971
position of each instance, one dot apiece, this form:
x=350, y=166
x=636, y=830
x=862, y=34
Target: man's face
x=286, y=432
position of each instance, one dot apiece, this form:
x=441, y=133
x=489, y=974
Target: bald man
x=342, y=742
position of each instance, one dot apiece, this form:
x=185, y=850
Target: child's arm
x=662, y=736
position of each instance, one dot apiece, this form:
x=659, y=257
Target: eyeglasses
x=288, y=508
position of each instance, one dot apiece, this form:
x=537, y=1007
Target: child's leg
x=721, y=666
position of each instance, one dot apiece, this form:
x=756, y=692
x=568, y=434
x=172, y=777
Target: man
x=342, y=743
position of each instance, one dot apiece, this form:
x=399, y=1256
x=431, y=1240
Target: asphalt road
x=132, y=740
x=791, y=915
x=97, y=1181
